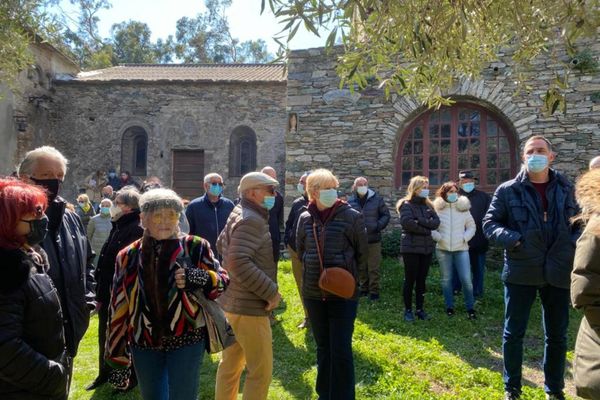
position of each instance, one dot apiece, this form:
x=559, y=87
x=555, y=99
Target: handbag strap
x=318, y=244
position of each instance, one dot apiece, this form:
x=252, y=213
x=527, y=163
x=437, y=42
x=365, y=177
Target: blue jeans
x=332, y=325
x=518, y=300
x=174, y=374
x=456, y=262
x=477, y=259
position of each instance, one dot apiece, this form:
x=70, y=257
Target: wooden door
x=188, y=173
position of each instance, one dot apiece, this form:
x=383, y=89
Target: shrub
x=390, y=243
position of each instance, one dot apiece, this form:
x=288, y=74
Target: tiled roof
x=187, y=72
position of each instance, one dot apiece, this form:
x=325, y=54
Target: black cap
x=466, y=175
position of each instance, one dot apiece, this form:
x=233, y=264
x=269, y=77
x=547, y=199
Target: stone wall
x=358, y=133
x=88, y=120
x=30, y=98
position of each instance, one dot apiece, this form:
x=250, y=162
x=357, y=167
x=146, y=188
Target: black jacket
x=125, y=230
x=275, y=224
x=480, y=201
x=376, y=214
x=547, y=239
x=70, y=257
x=417, y=220
x=33, y=362
x=345, y=245
x=298, y=206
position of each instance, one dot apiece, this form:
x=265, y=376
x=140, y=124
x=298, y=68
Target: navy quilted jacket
x=545, y=255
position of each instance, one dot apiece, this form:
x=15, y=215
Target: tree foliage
x=420, y=47
x=207, y=39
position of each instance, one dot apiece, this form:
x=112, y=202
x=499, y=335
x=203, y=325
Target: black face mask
x=38, y=229
x=51, y=185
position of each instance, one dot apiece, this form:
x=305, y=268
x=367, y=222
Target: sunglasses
x=217, y=183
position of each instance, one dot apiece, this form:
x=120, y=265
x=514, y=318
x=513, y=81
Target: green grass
x=444, y=358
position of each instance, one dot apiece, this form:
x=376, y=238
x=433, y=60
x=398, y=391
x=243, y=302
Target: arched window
x=134, y=151
x=461, y=137
x=242, y=151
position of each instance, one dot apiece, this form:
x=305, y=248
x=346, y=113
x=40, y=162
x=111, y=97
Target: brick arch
x=486, y=98
x=134, y=148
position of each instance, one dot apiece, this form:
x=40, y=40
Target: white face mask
x=327, y=197
x=115, y=212
x=362, y=190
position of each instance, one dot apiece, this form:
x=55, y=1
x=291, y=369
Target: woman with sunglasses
x=33, y=361
x=155, y=319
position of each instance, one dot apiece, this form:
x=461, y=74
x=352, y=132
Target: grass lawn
x=444, y=358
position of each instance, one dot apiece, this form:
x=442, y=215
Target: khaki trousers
x=369, y=276
x=297, y=271
x=252, y=350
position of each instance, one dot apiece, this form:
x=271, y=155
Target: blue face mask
x=452, y=197
x=537, y=162
x=112, y=174
x=424, y=193
x=215, y=189
x=328, y=197
x=105, y=210
x=268, y=202
x=468, y=187
x=300, y=188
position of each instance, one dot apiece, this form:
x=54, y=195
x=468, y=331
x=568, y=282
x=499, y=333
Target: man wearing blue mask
x=377, y=216
x=530, y=217
x=478, y=246
x=208, y=214
x=275, y=216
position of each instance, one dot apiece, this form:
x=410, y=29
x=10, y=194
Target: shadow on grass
x=478, y=342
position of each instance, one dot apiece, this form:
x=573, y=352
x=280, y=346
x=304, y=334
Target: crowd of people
x=170, y=281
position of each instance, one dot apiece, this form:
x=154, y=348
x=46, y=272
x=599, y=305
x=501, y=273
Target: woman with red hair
x=33, y=361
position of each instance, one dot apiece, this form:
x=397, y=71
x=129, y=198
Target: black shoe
x=408, y=316
x=422, y=315
x=555, y=396
x=364, y=293
x=472, y=314
x=100, y=380
x=374, y=296
x=449, y=312
x=511, y=395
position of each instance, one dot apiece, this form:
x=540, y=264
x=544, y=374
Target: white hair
x=208, y=177
x=28, y=164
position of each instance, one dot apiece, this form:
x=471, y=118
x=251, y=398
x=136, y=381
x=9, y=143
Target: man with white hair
x=69, y=252
x=208, y=214
x=252, y=292
x=377, y=216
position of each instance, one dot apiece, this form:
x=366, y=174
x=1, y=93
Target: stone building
x=26, y=106
x=177, y=122
x=390, y=140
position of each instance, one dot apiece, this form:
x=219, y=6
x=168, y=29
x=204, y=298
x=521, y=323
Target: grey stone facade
x=358, y=133
x=28, y=104
x=89, y=119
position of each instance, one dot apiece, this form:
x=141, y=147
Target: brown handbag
x=335, y=280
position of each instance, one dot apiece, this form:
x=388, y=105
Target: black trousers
x=416, y=268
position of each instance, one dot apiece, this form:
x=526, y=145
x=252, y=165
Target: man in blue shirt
x=208, y=214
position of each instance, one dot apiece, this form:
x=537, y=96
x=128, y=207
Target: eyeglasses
x=168, y=216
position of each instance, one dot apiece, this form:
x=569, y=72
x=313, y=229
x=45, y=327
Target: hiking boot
x=555, y=396
x=422, y=315
x=408, y=316
x=304, y=324
x=511, y=395
x=472, y=314
x=449, y=312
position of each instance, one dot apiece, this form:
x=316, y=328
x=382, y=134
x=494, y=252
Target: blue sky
x=244, y=17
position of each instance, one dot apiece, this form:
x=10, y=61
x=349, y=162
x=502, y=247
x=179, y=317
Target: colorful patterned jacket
x=133, y=306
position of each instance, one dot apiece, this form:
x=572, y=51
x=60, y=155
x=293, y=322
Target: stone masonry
x=358, y=133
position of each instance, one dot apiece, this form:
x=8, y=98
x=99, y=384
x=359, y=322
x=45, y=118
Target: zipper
x=451, y=225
